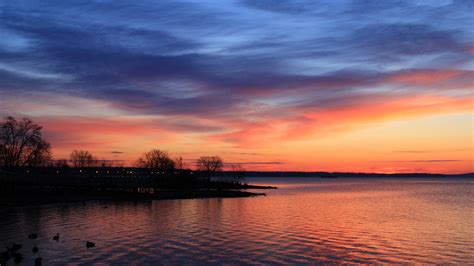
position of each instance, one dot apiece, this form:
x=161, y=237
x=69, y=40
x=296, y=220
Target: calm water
x=306, y=221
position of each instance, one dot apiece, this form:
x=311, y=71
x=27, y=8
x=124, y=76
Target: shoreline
x=41, y=197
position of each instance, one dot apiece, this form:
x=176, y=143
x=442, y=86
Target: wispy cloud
x=222, y=75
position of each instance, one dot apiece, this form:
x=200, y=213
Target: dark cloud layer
x=216, y=59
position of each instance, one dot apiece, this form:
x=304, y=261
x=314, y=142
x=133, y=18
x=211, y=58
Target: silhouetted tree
x=106, y=163
x=60, y=163
x=237, y=172
x=209, y=165
x=157, y=160
x=179, y=163
x=80, y=158
x=21, y=144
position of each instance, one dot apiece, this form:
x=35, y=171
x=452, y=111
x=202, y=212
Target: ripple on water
x=339, y=221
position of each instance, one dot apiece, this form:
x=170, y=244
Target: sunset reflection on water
x=305, y=221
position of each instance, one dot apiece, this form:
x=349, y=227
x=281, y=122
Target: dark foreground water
x=306, y=221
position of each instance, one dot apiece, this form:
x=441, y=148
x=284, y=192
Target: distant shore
x=272, y=174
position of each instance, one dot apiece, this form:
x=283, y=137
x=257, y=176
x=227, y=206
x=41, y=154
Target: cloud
x=312, y=120
x=405, y=39
x=241, y=73
x=448, y=78
x=283, y=6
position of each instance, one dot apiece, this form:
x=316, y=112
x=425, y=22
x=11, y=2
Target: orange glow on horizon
x=319, y=141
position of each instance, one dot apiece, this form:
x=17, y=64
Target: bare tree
x=21, y=144
x=237, y=173
x=156, y=159
x=80, y=158
x=106, y=163
x=179, y=163
x=209, y=165
x=60, y=163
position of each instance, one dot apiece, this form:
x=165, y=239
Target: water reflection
x=306, y=221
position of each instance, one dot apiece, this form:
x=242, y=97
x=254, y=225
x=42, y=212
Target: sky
x=364, y=86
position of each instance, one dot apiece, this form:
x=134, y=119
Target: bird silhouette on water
x=90, y=244
x=56, y=237
x=35, y=249
x=32, y=236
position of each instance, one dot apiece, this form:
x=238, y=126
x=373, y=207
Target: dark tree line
x=159, y=160
x=22, y=145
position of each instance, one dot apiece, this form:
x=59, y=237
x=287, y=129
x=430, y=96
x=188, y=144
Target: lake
x=305, y=221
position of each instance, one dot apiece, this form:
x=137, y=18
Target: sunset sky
x=373, y=86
